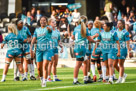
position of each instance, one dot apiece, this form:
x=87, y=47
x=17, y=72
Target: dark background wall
x=93, y=8
x=3, y=6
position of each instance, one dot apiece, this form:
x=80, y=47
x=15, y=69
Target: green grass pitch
x=66, y=75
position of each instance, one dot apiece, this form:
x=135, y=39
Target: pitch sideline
x=75, y=86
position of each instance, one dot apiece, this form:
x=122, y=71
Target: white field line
x=76, y=86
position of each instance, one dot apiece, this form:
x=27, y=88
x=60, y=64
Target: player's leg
x=45, y=72
x=111, y=58
x=85, y=71
x=49, y=69
x=55, y=62
x=39, y=62
x=88, y=67
x=20, y=66
x=8, y=60
x=16, y=72
x=47, y=59
x=79, y=62
x=99, y=70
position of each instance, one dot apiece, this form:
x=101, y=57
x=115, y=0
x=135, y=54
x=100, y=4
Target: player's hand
x=96, y=35
x=49, y=29
x=61, y=50
x=118, y=54
x=28, y=40
x=93, y=53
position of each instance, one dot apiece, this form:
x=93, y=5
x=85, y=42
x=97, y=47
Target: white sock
x=111, y=78
x=88, y=73
x=22, y=75
x=49, y=76
x=41, y=78
x=114, y=75
x=124, y=74
x=44, y=80
x=3, y=77
x=15, y=70
x=93, y=69
x=107, y=77
x=75, y=79
x=18, y=73
x=104, y=72
x=55, y=77
x=26, y=73
x=85, y=78
x=100, y=75
x=32, y=69
x=120, y=78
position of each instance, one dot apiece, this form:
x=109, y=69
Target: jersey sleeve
x=87, y=32
x=99, y=37
x=74, y=32
x=58, y=35
x=35, y=33
x=5, y=40
x=127, y=36
x=115, y=36
x=28, y=32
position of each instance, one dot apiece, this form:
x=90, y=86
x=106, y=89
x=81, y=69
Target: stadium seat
x=4, y=15
x=14, y=20
x=12, y=15
x=1, y=25
x=6, y=20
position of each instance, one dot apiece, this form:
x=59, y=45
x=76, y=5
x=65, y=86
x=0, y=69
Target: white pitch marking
x=78, y=86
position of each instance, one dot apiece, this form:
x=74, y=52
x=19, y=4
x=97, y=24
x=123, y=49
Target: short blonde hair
x=13, y=29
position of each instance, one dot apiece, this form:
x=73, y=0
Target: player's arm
x=2, y=45
x=118, y=45
x=94, y=36
x=49, y=29
x=32, y=43
x=4, y=42
x=90, y=39
x=127, y=39
x=96, y=45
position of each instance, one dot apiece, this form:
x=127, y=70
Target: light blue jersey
x=80, y=42
x=14, y=44
x=108, y=41
x=24, y=32
x=98, y=49
x=88, y=51
x=123, y=37
x=108, y=44
x=13, y=41
x=93, y=32
x=56, y=37
x=43, y=37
